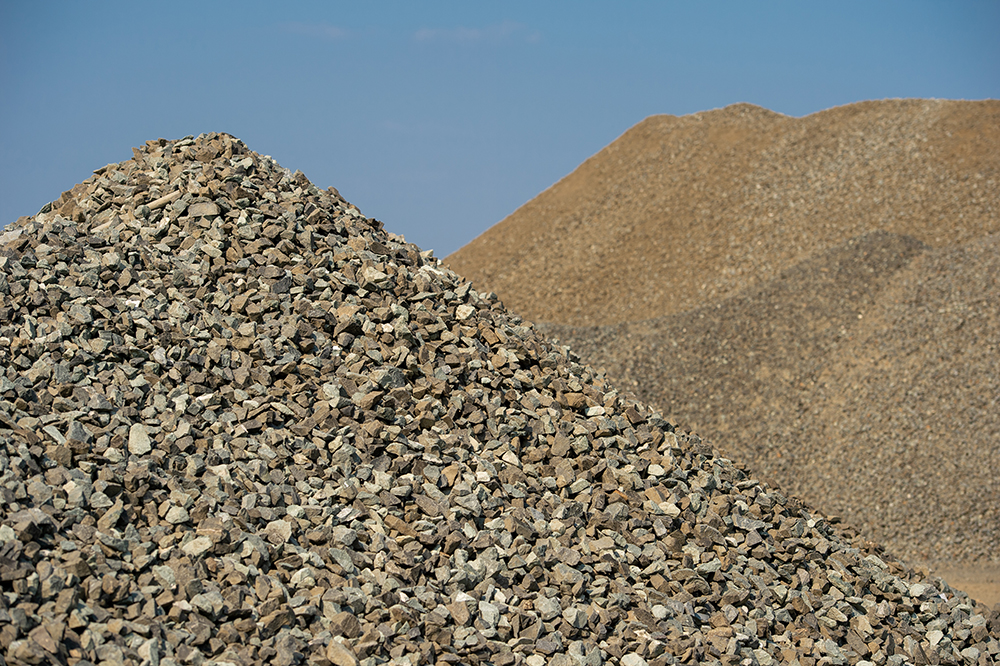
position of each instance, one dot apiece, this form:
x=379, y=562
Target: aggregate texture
x=681, y=212
x=242, y=424
x=864, y=380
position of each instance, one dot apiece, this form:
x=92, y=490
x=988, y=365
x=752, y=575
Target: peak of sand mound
x=242, y=424
x=682, y=211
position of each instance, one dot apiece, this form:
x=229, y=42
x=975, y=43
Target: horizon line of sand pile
x=681, y=211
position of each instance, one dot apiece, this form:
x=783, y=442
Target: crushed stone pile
x=240, y=423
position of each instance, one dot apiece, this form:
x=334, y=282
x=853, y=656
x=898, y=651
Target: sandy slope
x=865, y=380
x=683, y=211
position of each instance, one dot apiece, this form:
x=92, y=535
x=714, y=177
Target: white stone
x=10, y=236
x=489, y=613
x=303, y=579
x=280, y=529
x=138, y=440
x=177, y=515
x=197, y=546
x=373, y=275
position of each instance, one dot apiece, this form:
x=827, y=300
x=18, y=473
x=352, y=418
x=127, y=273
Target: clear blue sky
x=441, y=118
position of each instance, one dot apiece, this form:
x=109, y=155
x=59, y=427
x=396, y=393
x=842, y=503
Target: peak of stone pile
x=240, y=423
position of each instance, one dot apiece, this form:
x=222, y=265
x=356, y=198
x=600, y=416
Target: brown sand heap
x=866, y=378
x=680, y=212
x=739, y=260
x=242, y=424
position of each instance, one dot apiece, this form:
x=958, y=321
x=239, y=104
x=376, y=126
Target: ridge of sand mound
x=684, y=211
x=242, y=424
x=851, y=380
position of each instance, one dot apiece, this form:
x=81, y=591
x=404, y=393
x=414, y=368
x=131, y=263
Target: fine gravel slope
x=918, y=388
x=681, y=212
x=242, y=424
x=865, y=380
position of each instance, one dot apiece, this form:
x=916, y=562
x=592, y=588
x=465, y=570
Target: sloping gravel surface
x=736, y=261
x=242, y=424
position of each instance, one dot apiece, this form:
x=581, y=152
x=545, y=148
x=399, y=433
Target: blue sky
x=441, y=118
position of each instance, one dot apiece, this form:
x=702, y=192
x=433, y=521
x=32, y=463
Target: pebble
x=197, y=546
x=632, y=659
x=177, y=515
x=138, y=440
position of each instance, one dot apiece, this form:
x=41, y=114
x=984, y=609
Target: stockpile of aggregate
x=682, y=212
x=242, y=424
x=730, y=267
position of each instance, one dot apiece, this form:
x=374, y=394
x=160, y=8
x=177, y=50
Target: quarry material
x=681, y=212
x=816, y=296
x=240, y=423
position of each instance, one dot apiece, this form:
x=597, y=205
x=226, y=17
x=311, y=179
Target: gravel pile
x=864, y=380
x=242, y=424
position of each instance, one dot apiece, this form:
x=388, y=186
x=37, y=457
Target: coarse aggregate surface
x=240, y=423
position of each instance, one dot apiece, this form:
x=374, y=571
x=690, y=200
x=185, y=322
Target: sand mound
x=850, y=379
x=680, y=212
x=242, y=424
